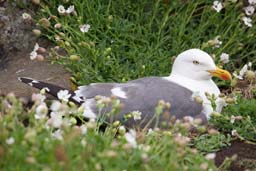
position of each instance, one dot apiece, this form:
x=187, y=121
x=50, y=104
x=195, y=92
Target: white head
x=198, y=65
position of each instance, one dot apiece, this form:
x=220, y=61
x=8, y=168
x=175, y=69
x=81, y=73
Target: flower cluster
x=249, y=11
x=245, y=72
x=37, y=53
x=69, y=10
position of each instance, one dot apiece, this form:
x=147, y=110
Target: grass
x=142, y=39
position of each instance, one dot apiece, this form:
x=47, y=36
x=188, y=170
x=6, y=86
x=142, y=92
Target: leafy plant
x=129, y=39
x=240, y=116
x=207, y=143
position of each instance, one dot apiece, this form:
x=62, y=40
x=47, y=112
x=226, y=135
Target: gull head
x=198, y=65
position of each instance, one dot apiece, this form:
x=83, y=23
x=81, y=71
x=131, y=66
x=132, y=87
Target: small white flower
x=55, y=106
x=150, y=131
x=249, y=10
x=26, y=16
x=224, y=57
x=36, y=47
x=220, y=103
x=232, y=119
x=249, y=64
x=215, y=42
x=33, y=55
x=63, y=95
x=241, y=72
x=136, y=115
x=217, y=6
x=85, y=28
x=83, y=142
x=252, y=2
x=37, y=97
x=41, y=111
x=234, y=132
x=10, y=141
x=83, y=129
x=70, y=9
x=61, y=9
x=210, y=156
x=131, y=138
x=247, y=21
x=56, y=120
x=57, y=134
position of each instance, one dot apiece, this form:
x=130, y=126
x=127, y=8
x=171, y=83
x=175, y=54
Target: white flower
x=150, y=131
x=252, y=2
x=234, y=132
x=83, y=129
x=217, y=6
x=220, y=103
x=33, y=54
x=215, y=42
x=63, y=95
x=247, y=21
x=26, y=16
x=136, y=115
x=36, y=47
x=249, y=10
x=41, y=111
x=83, y=142
x=241, y=72
x=10, y=141
x=232, y=119
x=210, y=156
x=250, y=64
x=37, y=97
x=57, y=134
x=55, y=106
x=55, y=120
x=224, y=57
x=70, y=9
x=61, y=9
x=131, y=138
x=84, y=28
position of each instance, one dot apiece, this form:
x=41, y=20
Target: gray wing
x=143, y=95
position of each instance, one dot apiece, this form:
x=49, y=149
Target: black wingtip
x=26, y=80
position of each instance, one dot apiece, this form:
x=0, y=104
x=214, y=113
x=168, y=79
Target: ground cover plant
x=32, y=140
x=106, y=41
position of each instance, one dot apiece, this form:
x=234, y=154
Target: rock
x=16, y=42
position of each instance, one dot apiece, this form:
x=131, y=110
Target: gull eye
x=195, y=62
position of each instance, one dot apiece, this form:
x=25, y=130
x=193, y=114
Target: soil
x=16, y=43
x=246, y=156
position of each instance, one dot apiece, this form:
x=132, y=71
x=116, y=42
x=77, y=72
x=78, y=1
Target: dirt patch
x=246, y=156
x=16, y=43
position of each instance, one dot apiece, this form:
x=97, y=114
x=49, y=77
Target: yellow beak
x=221, y=73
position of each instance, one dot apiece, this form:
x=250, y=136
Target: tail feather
x=51, y=88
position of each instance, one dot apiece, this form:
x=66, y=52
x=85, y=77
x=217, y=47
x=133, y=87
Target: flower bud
x=74, y=57
x=250, y=75
x=44, y=22
x=36, y=32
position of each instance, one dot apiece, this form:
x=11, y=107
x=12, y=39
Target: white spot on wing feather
x=118, y=92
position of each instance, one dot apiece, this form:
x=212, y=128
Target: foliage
x=240, y=116
x=29, y=142
x=132, y=39
x=207, y=143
